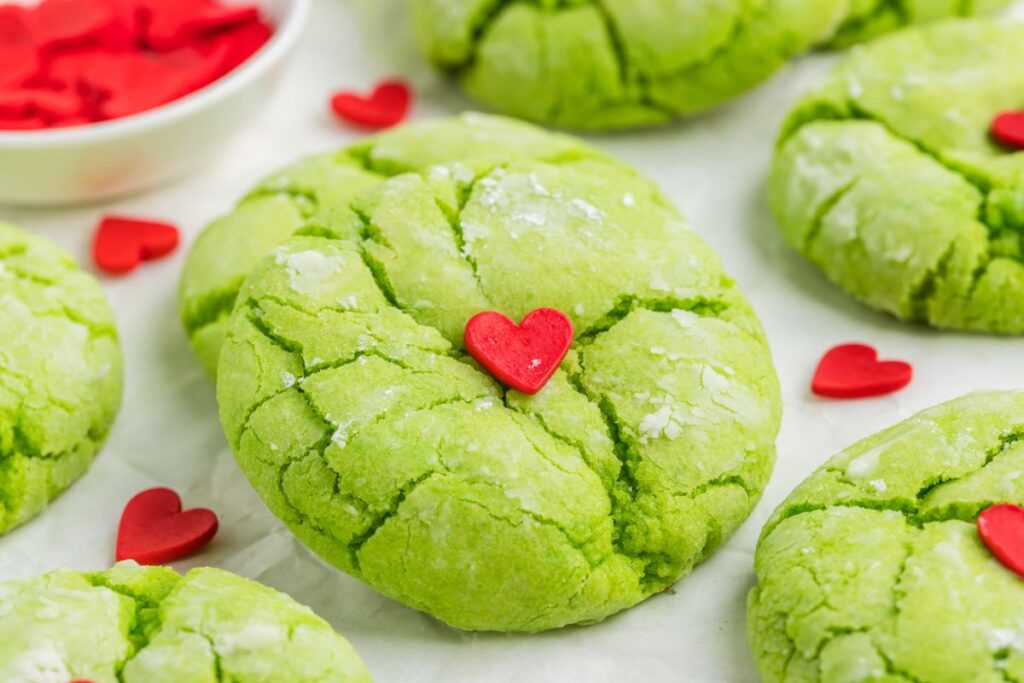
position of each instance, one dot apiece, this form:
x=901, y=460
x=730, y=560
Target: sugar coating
x=887, y=180
x=885, y=579
x=60, y=373
x=601, y=64
x=395, y=458
x=229, y=248
x=149, y=625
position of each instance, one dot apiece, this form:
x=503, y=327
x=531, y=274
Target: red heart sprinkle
x=524, y=356
x=122, y=33
x=15, y=104
x=212, y=17
x=50, y=104
x=854, y=371
x=19, y=54
x=242, y=42
x=34, y=123
x=1001, y=528
x=154, y=530
x=1008, y=128
x=164, y=22
x=121, y=244
x=71, y=22
x=387, y=105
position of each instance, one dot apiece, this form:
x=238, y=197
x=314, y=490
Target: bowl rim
x=285, y=36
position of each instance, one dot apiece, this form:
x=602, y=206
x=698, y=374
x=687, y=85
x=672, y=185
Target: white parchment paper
x=714, y=167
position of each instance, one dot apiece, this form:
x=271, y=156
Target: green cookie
x=873, y=571
x=887, y=180
x=135, y=624
x=616, y=63
x=60, y=373
x=869, y=18
x=354, y=411
x=230, y=248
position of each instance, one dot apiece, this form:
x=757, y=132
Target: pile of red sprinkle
x=74, y=62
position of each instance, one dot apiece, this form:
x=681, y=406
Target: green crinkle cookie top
x=872, y=570
x=351, y=406
x=231, y=247
x=887, y=180
x=60, y=373
x=867, y=19
x=598, y=64
x=136, y=624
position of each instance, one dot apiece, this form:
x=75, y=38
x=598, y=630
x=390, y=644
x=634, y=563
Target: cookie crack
x=63, y=310
x=357, y=543
x=1006, y=442
x=477, y=29
x=218, y=304
x=705, y=307
x=138, y=635
x=212, y=307
x=575, y=444
x=376, y=269
x=922, y=294
x=853, y=26
x=631, y=80
x=910, y=508
x=821, y=213
x=536, y=517
x=454, y=219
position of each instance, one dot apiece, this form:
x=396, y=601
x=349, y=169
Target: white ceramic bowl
x=103, y=160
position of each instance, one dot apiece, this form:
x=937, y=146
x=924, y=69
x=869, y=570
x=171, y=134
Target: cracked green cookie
x=352, y=407
x=604, y=64
x=230, y=248
x=867, y=19
x=135, y=624
x=60, y=373
x=886, y=178
x=872, y=570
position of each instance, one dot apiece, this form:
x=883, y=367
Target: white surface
x=88, y=163
x=713, y=167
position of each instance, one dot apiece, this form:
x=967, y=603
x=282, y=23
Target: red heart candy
x=171, y=25
x=524, y=356
x=154, y=530
x=1001, y=528
x=121, y=244
x=854, y=371
x=242, y=42
x=198, y=65
x=387, y=105
x=164, y=21
x=141, y=83
x=1008, y=128
x=70, y=22
x=19, y=54
x=145, y=83
x=47, y=103
x=15, y=104
x=33, y=123
x=212, y=17
x=122, y=33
